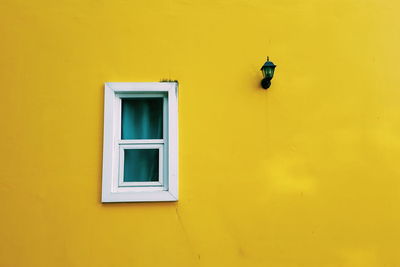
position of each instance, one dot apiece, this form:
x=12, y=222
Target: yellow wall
x=304, y=174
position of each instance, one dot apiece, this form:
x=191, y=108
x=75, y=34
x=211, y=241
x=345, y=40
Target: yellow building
x=302, y=174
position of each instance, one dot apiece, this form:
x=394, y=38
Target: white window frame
x=113, y=188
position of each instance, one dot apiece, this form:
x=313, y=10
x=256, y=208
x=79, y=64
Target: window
x=140, y=151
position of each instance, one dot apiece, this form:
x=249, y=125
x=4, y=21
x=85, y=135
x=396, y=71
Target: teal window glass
x=142, y=118
x=141, y=165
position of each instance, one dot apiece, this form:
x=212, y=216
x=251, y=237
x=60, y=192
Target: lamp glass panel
x=269, y=72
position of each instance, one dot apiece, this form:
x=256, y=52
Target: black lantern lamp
x=268, y=71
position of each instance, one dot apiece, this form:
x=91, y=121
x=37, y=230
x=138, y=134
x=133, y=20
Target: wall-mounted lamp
x=268, y=71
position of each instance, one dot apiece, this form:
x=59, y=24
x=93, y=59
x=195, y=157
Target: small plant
x=168, y=81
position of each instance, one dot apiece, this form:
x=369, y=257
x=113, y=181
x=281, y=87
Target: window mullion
x=141, y=141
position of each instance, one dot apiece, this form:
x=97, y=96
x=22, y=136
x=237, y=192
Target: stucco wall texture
x=303, y=174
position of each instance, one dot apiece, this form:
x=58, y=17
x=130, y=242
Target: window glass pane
x=142, y=118
x=141, y=165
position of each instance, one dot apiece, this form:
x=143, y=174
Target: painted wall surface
x=304, y=174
